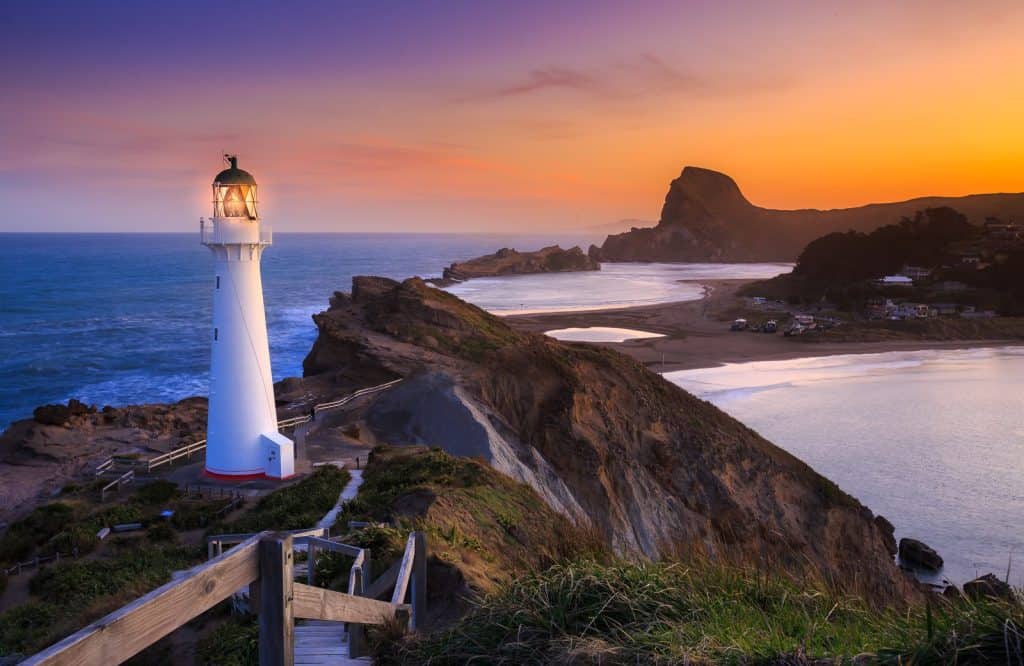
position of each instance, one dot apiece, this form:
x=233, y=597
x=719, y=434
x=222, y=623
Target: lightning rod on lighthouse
x=242, y=439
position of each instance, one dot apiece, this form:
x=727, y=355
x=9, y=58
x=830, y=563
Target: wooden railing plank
x=327, y=544
x=315, y=603
x=130, y=629
x=418, y=594
x=404, y=572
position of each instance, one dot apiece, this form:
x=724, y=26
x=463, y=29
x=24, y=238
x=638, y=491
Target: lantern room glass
x=234, y=201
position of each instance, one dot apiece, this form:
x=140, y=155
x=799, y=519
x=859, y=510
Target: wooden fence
x=265, y=563
x=55, y=556
x=188, y=450
x=127, y=477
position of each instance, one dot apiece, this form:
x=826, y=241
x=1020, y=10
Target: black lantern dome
x=234, y=175
x=234, y=192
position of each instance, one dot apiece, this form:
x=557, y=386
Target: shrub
x=161, y=533
x=190, y=514
x=157, y=492
x=233, y=643
x=295, y=507
x=34, y=529
x=27, y=627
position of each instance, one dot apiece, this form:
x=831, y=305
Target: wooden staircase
x=323, y=642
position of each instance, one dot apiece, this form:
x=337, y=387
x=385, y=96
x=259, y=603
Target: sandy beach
x=697, y=333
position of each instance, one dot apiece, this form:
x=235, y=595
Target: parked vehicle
x=739, y=325
x=770, y=326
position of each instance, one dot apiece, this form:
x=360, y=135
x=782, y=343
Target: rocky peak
x=701, y=193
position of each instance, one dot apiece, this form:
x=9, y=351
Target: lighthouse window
x=214, y=334
x=218, y=282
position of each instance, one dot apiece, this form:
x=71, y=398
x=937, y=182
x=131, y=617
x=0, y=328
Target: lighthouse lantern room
x=242, y=440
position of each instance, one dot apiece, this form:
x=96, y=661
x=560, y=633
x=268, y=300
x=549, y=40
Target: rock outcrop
x=507, y=261
x=707, y=218
x=653, y=469
x=988, y=586
x=919, y=554
x=39, y=455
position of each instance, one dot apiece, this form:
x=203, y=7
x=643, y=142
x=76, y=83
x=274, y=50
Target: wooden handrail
x=317, y=603
x=132, y=628
x=404, y=573
x=265, y=563
x=127, y=477
x=334, y=546
x=358, y=394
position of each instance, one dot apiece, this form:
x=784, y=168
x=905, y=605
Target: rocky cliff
x=603, y=440
x=61, y=442
x=707, y=218
x=508, y=261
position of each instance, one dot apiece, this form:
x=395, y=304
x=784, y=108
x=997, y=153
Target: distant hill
x=707, y=218
x=619, y=226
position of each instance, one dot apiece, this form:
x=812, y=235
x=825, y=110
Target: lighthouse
x=242, y=440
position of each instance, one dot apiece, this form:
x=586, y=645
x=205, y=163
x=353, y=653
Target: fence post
x=310, y=562
x=357, y=632
x=419, y=581
x=277, y=622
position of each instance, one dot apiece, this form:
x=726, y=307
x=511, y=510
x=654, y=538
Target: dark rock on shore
x=707, y=218
x=60, y=415
x=507, y=261
x=606, y=442
x=919, y=554
x=988, y=586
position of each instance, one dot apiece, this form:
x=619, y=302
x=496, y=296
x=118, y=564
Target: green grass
x=68, y=595
x=296, y=507
x=232, y=643
x=23, y=536
x=401, y=474
x=626, y=613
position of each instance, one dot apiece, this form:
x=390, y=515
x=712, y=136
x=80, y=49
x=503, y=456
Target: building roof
x=234, y=175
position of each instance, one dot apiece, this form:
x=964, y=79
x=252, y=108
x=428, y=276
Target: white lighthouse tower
x=242, y=440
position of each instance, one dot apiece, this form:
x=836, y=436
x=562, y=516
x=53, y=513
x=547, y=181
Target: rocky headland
x=508, y=261
x=60, y=443
x=603, y=440
x=707, y=218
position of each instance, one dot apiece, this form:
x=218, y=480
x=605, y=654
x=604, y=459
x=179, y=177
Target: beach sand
x=697, y=333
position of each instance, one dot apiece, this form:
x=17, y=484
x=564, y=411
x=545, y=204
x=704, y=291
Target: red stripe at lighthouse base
x=245, y=476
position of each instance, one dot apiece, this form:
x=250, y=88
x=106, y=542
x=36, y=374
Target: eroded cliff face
x=603, y=439
x=707, y=218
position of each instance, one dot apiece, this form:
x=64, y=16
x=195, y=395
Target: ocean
x=932, y=440
x=125, y=318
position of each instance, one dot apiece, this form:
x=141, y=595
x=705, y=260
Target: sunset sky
x=488, y=116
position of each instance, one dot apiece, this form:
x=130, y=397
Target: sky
x=496, y=116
